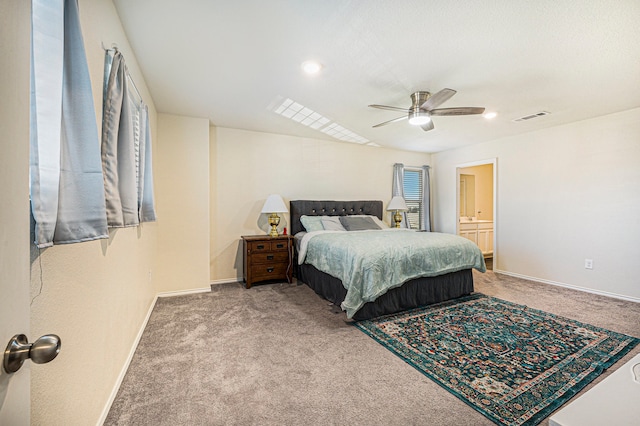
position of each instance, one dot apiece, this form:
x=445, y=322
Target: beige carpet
x=277, y=354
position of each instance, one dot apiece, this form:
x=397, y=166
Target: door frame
x=494, y=162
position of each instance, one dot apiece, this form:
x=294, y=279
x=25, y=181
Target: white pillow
x=332, y=223
x=311, y=223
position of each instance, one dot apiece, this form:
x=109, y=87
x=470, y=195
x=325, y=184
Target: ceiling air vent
x=532, y=116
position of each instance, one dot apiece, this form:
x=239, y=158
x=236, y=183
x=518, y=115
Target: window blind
x=412, y=187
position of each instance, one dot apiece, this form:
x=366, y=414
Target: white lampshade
x=274, y=204
x=397, y=203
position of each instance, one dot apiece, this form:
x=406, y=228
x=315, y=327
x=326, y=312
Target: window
x=126, y=148
x=134, y=108
x=412, y=188
x=412, y=183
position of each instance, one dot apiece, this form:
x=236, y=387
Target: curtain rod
x=114, y=48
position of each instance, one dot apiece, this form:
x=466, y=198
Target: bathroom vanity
x=480, y=232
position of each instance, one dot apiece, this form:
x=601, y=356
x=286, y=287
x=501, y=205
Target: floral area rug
x=513, y=364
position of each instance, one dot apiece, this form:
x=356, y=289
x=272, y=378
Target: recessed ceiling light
x=490, y=115
x=311, y=67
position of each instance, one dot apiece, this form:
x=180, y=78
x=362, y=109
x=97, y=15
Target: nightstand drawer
x=274, y=257
x=279, y=245
x=269, y=271
x=265, y=246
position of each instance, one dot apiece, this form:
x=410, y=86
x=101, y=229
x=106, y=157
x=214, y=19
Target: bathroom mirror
x=467, y=195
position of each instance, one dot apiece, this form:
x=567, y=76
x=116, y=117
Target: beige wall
x=182, y=201
x=14, y=214
x=565, y=194
x=483, y=189
x=94, y=295
x=248, y=166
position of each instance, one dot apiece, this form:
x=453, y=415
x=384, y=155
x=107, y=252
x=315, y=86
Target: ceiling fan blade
x=404, y=117
x=457, y=111
x=391, y=108
x=428, y=126
x=437, y=99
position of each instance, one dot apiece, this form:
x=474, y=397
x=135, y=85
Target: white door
x=15, y=30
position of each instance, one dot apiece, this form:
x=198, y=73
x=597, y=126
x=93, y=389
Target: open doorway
x=476, y=206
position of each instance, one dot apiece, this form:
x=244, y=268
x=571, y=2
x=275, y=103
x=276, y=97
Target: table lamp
x=272, y=206
x=398, y=204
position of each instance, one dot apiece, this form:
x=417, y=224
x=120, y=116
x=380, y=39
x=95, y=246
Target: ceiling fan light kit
x=424, y=105
x=418, y=118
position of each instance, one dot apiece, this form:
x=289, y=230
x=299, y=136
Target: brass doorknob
x=43, y=350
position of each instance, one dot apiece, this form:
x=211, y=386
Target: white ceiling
x=234, y=61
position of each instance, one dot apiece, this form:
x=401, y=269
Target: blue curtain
x=67, y=188
x=426, y=199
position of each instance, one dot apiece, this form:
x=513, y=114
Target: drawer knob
x=270, y=257
x=269, y=270
x=260, y=246
x=279, y=245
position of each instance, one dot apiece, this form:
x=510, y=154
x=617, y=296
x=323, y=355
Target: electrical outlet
x=588, y=263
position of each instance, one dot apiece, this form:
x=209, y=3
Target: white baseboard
x=571, y=286
x=183, y=292
x=125, y=367
x=226, y=281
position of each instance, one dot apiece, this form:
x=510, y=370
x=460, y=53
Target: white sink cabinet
x=480, y=232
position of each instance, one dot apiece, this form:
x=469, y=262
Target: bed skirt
x=412, y=294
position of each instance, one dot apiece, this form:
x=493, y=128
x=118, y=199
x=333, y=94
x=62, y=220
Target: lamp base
x=274, y=220
x=397, y=218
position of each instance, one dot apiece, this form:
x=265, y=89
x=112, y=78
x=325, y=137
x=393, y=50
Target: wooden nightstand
x=267, y=258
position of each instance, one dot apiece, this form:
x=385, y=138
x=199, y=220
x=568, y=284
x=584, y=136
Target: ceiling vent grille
x=533, y=116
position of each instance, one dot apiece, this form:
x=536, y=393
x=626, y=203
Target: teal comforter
x=369, y=263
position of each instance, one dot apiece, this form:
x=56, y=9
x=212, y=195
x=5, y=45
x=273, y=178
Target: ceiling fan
x=424, y=105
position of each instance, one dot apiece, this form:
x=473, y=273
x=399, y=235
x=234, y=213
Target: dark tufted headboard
x=330, y=208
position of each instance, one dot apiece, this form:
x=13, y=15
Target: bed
x=411, y=293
